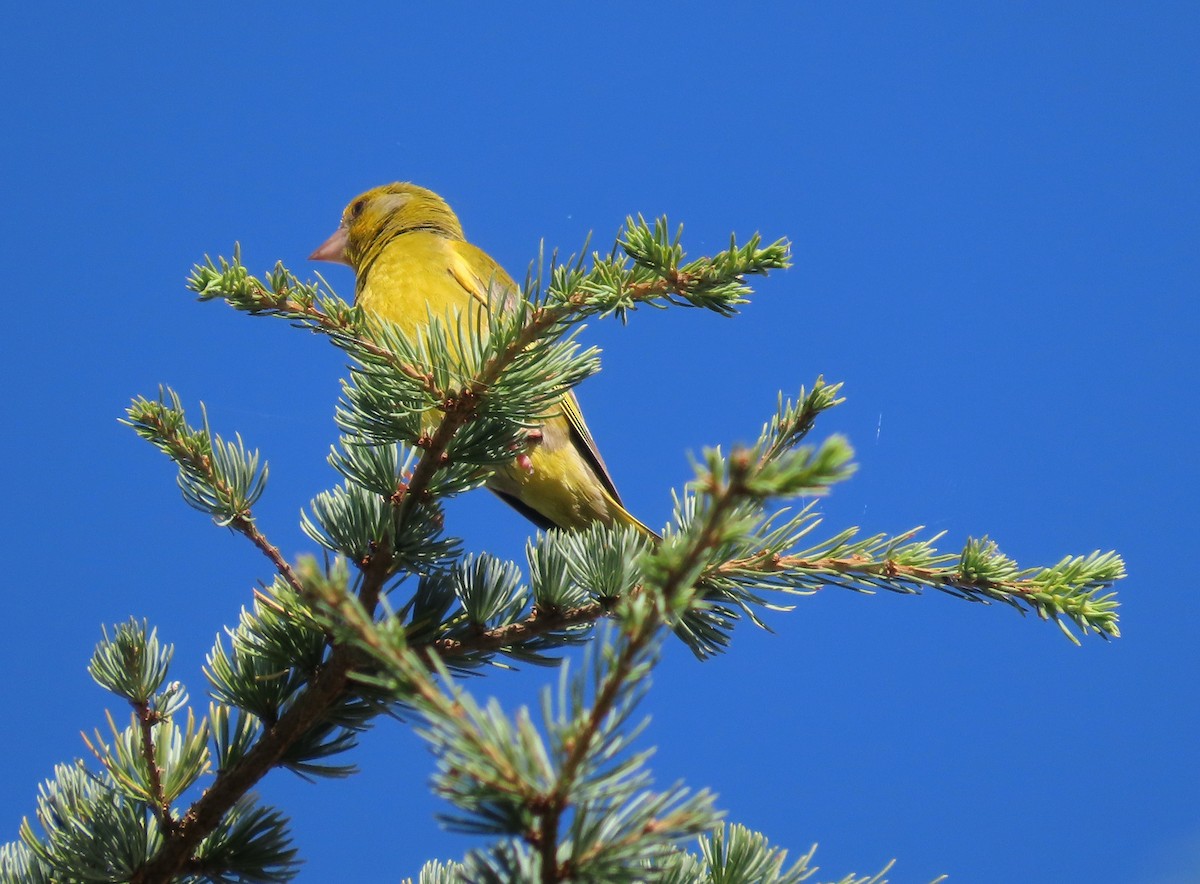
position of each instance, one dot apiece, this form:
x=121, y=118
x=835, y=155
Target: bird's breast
x=411, y=280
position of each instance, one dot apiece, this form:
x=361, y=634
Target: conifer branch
x=860, y=571
x=217, y=477
x=234, y=782
x=650, y=269
x=248, y=529
x=801, y=575
x=428, y=416
x=206, y=486
x=165, y=427
x=161, y=805
x=309, y=709
x=475, y=745
x=537, y=623
x=551, y=807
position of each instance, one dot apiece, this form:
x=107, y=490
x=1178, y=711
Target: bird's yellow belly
x=556, y=480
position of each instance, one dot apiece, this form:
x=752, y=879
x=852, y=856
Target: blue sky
x=994, y=208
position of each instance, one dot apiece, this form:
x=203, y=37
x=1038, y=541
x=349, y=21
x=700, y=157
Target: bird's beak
x=333, y=249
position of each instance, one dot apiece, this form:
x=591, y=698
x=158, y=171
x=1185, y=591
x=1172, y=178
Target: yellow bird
x=410, y=261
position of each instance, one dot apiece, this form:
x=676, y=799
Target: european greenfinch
x=411, y=261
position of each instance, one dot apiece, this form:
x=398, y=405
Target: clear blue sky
x=995, y=215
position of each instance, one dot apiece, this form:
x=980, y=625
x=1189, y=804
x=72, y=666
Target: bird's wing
x=586, y=444
x=478, y=274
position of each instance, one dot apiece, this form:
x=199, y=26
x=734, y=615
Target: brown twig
x=889, y=569
x=147, y=718
x=538, y=622
x=245, y=525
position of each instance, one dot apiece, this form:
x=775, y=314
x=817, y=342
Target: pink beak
x=333, y=249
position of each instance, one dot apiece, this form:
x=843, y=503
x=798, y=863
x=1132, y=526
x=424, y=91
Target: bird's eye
x=356, y=208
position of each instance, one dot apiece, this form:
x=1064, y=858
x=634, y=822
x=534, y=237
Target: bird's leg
x=533, y=437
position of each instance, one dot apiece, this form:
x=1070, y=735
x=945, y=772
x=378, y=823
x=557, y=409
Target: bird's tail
x=613, y=513
x=622, y=516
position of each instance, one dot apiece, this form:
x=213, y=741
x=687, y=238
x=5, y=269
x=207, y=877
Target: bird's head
x=381, y=214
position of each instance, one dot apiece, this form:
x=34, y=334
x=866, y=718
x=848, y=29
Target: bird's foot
x=533, y=437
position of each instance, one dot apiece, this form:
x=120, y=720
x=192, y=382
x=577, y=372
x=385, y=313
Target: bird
x=411, y=261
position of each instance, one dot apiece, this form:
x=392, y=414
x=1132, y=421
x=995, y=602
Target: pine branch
x=500, y=772
x=1071, y=589
x=218, y=478
x=641, y=614
x=233, y=783
x=225, y=488
x=772, y=468
x=147, y=719
x=433, y=415
x=537, y=623
x=582, y=741
x=651, y=271
x=308, y=710
x=800, y=575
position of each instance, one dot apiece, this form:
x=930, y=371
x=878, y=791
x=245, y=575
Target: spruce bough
x=394, y=610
